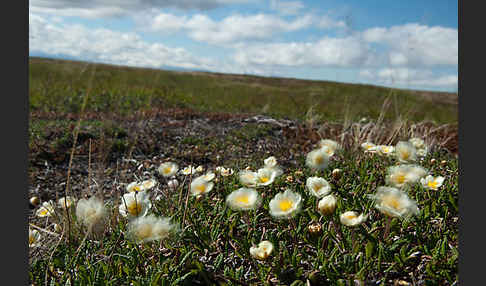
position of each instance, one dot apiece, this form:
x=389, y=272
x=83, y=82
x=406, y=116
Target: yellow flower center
x=317, y=186
x=432, y=184
x=135, y=208
x=264, y=179
x=167, y=170
x=392, y=202
x=285, y=204
x=136, y=188
x=31, y=239
x=319, y=160
x=405, y=155
x=350, y=216
x=400, y=178
x=44, y=211
x=144, y=231
x=201, y=188
x=243, y=199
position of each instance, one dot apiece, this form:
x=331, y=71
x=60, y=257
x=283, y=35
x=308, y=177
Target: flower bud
x=314, y=228
x=173, y=184
x=336, y=173
x=35, y=201
x=57, y=228
x=327, y=205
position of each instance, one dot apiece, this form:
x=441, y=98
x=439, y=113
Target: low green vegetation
x=60, y=87
x=94, y=129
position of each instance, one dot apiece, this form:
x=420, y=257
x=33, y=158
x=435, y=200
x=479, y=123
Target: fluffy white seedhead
x=150, y=228
x=91, y=212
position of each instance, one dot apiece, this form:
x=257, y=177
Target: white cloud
x=406, y=77
x=230, y=29
x=106, y=46
x=286, y=7
x=327, y=52
x=110, y=8
x=417, y=45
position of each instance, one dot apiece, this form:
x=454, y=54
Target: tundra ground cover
x=213, y=242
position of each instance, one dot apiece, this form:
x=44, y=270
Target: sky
x=405, y=44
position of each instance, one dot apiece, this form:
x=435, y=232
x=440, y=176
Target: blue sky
x=405, y=44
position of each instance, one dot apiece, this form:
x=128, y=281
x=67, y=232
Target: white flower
x=173, y=184
x=351, y=218
x=148, y=184
x=91, y=212
x=270, y=162
x=134, y=187
x=134, y=205
x=248, y=178
x=224, y=171
x=432, y=183
x=46, y=210
x=318, y=187
x=401, y=175
x=168, y=169
x=317, y=159
x=34, y=238
x=65, y=202
x=149, y=228
x=385, y=150
x=285, y=205
x=330, y=146
x=394, y=203
x=327, y=205
x=262, y=251
x=368, y=147
x=265, y=176
x=199, y=169
x=200, y=186
x=422, y=152
x=209, y=176
x=417, y=142
x=405, y=152
x=243, y=199
x=189, y=170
